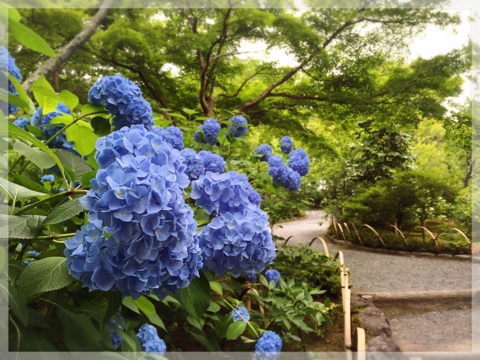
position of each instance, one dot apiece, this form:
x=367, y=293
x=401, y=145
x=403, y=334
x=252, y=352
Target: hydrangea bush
x=140, y=225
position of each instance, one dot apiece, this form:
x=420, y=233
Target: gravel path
x=434, y=327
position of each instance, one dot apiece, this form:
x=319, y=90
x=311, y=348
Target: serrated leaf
x=82, y=135
x=15, y=303
x=28, y=37
x=235, y=330
x=222, y=325
x=30, y=184
x=18, y=192
x=19, y=226
x=195, y=322
x=69, y=99
x=63, y=212
x=146, y=307
x=129, y=303
x=215, y=286
x=9, y=129
x=91, y=108
x=113, y=301
x=35, y=155
x=46, y=97
x=195, y=298
x=44, y=275
x=74, y=162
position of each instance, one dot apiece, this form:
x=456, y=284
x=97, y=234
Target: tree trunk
x=68, y=50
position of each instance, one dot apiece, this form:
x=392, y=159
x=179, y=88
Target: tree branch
x=66, y=52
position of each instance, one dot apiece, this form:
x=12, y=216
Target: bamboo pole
x=397, y=230
x=346, y=227
x=341, y=229
x=358, y=235
x=431, y=234
x=463, y=234
x=361, y=346
x=376, y=233
x=325, y=247
x=335, y=227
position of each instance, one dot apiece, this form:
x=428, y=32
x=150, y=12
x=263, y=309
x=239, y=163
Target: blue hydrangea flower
x=210, y=130
x=251, y=276
x=194, y=163
x=265, y=150
x=7, y=64
x=227, y=192
x=286, y=144
x=240, y=314
x=174, y=136
x=273, y=275
x=136, y=198
x=22, y=123
x=150, y=341
x=212, y=162
x=299, y=161
x=47, y=178
x=198, y=136
x=268, y=346
x=123, y=99
x=114, y=337
x=237, y=242
x=283, y=175
x=34, y=254
x=238, y=127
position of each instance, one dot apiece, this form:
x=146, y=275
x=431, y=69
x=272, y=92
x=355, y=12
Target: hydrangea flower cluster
x=299, y=161
x=172, y=134
x=268, y=346
x=251, y=276
x=273, y=275
x=116, y=339
x=212, y=162
x=150, y=341
x=238, y=242
x=194, y=163
x=123, y=99
x=240, y=314
x=238, y=127
x=221, y=193
x=286, y=144
x=60, y=141
x=7, y=64
x=283, y=175
x=141, y=235
x=45, y=178
x=21, y=123
x=210, y=130
x=265, y=150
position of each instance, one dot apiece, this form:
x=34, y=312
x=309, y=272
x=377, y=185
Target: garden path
x=442, y=323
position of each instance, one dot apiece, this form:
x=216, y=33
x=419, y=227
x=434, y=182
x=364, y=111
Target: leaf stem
x=56, y=196
x=53, y=237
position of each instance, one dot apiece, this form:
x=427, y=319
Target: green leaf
x=9, y=129
x=129, y=303
x=113, y=301
x=178, y=116
x=22, y=94
x=91, y=108
x=19, y=226
x=128, y=343
x=18, y=192
x=12, y=99
x=63, y=212
x=222, y=326
x=148, y=309
x=62, y=119
x=15, y=303
x=214, y=307
x=30, y=184
x=74, y=162
x=35, y=155
x=189, y=111
x=215, y=286
x=12, y=12
x=101, y=126
x=235, y=330
x=82, y=135
x=44, y=275
x=28, y=37
x=46, y=97
x=35, y=131
x=196, y=297
x=42, y=347
x=79, y=332
x=195, y=322
x=87, y=177
x=69, y=99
